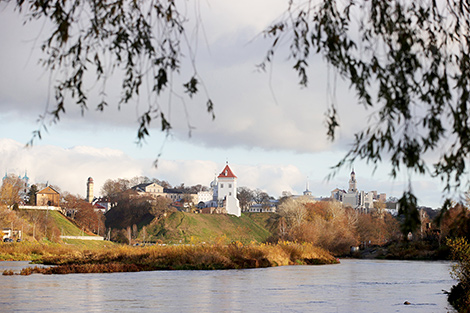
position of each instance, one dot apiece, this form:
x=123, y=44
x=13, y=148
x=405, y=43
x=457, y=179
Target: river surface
x=352, y=286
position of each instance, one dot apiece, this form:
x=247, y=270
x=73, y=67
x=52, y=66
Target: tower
x=352, y=183
x=307, y=192
x=227, y=191
x=89, y=190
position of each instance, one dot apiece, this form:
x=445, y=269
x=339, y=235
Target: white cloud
x=70, y=168
x=66, y=168
x=252, y=109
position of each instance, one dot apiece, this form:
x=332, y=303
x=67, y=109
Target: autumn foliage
x=332, y=227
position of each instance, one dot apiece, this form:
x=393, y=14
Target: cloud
x=260, y=117
x=269, y=111
x=70, y=168
x=66, y=168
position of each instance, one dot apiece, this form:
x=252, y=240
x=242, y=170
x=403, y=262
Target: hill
x=65, y=225
x=181, y=227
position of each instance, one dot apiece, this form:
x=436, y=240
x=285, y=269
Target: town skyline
x=206, y=171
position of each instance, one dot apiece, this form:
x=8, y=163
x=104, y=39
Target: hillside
x=181, y=227
x=65, y=225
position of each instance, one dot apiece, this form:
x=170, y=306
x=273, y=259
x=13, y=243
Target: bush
x=459, y=295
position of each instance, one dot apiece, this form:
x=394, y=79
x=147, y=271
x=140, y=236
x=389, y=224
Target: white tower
x=89, y=190
x=227, y=191
x=352, y=183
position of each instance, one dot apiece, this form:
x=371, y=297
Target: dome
x=213, y=183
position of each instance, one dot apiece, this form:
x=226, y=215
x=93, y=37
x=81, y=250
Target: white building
x=357, y=199
x=205, y=196
x=227, y=192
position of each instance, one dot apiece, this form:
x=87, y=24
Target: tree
x=245, y=196
x=409, y=211
x=162, y=183
x=113, y=189
x=160, y=206
x=10, y=192
x=141, y=40
x=407, y=61
x=294, y=211
x=260, y=196
x=137, y=180
x=87, y=217
x=33, y=190
x=187, y=198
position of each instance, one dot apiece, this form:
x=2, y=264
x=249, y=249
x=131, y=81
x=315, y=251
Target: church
x=356, y=199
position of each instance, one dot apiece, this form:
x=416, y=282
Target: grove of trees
x=84, y=214
x=10, y=192
x=333, y=227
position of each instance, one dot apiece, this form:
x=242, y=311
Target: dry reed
x=176, y=257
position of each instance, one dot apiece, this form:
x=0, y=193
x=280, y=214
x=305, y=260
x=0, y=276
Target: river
x=352, y=286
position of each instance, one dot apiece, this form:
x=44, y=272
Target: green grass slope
x=188, y=227
x=66, y=227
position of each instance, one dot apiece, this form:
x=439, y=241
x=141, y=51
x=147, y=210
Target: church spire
x=352, y=183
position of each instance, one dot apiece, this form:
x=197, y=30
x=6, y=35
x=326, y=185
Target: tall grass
x=179, y=257
x=27, y=251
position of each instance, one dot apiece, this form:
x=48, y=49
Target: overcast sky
x=271, y=131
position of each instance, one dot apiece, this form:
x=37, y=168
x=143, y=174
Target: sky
x=270, y=130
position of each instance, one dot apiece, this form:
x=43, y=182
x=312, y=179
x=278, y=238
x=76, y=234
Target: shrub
x=459, y=295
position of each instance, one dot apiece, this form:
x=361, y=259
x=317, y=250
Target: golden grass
x=177, y=257
x=26, y=251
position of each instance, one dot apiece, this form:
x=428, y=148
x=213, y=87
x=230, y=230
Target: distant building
x=227, y=192
x=307, y=192
x=101, y=204
x=268, y=207
x=178, y=195
x=352, y=183
x=89, y=190
x=223, y=190
x=356, y=199
x=48, y=197
x=153, y=189
x=204, y=196
x=338, y=194
x=306, y=195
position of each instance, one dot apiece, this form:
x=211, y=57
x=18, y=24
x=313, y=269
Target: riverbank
x=177, y=257
x=415, y=250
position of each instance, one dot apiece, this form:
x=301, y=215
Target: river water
x=352, y=286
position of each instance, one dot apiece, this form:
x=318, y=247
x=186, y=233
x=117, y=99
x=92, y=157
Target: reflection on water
x=352, y=286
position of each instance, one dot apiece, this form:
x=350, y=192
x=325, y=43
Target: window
x=229, y=193
x=221, y=185
x=229, y=185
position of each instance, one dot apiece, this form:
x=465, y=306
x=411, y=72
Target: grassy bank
x=33, y=251
x=180, y=227
x=180, y=257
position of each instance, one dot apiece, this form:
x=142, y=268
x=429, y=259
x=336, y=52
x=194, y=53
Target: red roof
x=227, y=172
x=99, y=206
